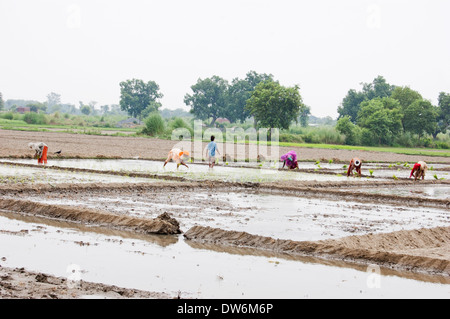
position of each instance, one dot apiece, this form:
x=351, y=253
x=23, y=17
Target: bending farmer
x=41, y=150
x=290, y=160
x=419, y=170
x=177, y=156
x=355, y=164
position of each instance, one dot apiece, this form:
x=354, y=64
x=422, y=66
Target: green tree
x=2, y=103
x=443, y=118
x=346, y=127
x=37, y=106
x=273, y=105
x=151, y=108
x=154, y=124
x=420, y=118
x=305, y=112
x=378, y=88
x=53, y=99
x=239, y=92
x=86, y=109
x=382, y=117
x=209, y=98
x=351, y=103
x=105, y=109
x=136, y=95
x=405, y=96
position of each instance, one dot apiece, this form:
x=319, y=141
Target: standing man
x=41, y=150
x=211, y=150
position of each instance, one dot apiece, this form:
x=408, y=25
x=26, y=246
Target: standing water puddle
x=231, y=173
x=170, y=264
x=194, y=272
x=276, y=216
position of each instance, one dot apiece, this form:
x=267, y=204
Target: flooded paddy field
x=243, y=171
x=170, y=266
x=245, y=232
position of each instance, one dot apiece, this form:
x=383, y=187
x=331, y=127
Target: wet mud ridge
x=393, y=250
x=345, y=192
x=94, y=171
x=163, y=224
x=36, y=285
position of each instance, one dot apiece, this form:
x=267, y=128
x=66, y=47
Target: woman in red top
x=419, y=170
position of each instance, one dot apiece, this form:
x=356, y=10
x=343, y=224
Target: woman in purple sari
x=290, y=160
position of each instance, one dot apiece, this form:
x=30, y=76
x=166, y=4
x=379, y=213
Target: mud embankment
x=393, y=250
x=325, y=190
x=343, y=191
x=18, y=283
x=163, y=224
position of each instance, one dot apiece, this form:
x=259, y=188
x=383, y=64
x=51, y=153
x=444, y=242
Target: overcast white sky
x=83, y=49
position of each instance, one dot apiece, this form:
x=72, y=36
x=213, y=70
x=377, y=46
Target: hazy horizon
x=82, y=50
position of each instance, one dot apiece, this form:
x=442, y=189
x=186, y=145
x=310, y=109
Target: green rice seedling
x=330, y=161
x=435, y=176
x=371, y=172
x=394, y=177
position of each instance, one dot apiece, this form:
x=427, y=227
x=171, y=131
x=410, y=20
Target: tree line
x=385, y=114
x=378, y=114
x=259, y=96
x=53, y=104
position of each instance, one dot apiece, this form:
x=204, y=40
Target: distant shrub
x=35, y=118
x=178, y=122
x=442, y=145
x=154, y=124
x=7, y=116
x=290, y=138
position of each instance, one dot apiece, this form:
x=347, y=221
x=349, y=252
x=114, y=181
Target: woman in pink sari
x=290, y=160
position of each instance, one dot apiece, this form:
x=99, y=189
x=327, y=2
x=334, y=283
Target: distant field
x=398, y=150
x=19, y=125
x=90, y=130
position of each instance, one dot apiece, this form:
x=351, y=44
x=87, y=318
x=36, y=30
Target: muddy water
x=245, y=172
x=198, y=271
x=284, y=217
x=233, y=173
x=195, y=271
x=25, y=175
x=434, y=192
